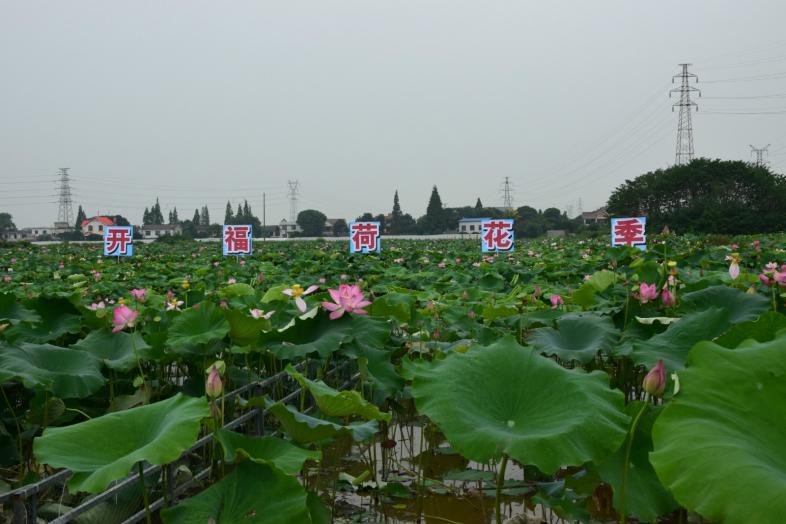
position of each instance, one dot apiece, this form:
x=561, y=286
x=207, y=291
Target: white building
x=288, y=229
x=94, y=226
x=470, y=226
x=160, y=230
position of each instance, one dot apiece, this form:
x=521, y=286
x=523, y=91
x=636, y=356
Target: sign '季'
x=118, y=241
x=496, y=235
x=236, y=239
x=629, y=232
x=364, y=237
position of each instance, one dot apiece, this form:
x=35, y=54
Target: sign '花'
x=236, y=239
x=364, y=237
x=497, y=235
x=118, y=241
x=629, y=232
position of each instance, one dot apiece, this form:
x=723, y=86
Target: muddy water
x=419, y=479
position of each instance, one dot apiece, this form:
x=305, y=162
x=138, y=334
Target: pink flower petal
x=301, y=304
x=330, y=306
x=310, y=290
x=337, y=314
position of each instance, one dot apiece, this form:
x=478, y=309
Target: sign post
x=629, y=232
x=364, y=237
x=236, y=239
x=118, y=241
x=496, y=235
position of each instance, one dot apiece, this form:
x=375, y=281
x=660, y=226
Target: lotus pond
x=567, y=381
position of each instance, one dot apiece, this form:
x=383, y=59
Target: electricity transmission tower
x=507, y=194
x=686, y=105
x=293, y=194
x=65, y=211
x=759, y=152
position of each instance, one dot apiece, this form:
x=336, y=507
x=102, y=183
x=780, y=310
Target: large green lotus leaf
x=268, y=450
x=58, y=317
x=762, y=329
x=14, y=312
x=104, y=449
x=320, y=514
x=198, y=325
x=506, y=399
x=244, y=329
x=672, y=346
x=251, y=493
x=334, y=403
x=646, y=496
x=67, y=373
x=738, y=305
x=578, y=337
x=118, y=351
x=318, y=335
x=378, y=371
x=394, y=305
x=719, y=445
x=597, y=283
x=305, y=429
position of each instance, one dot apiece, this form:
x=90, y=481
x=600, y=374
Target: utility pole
x=507, y=195
x=759, y=152
x=65, y=211
x=293, y=194
x=685, y=125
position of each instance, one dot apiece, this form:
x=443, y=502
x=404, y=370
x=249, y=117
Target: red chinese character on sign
x=117, y=240
x=364, y=237
x=497, y=235
x=237, y=240
x=628, y=232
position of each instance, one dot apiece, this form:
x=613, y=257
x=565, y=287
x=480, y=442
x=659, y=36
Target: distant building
x=555, y=233
x=599, y=216
x=329, y=224
x=94, y=226
x=160, y=230
x=288, y=229
x=470, y=226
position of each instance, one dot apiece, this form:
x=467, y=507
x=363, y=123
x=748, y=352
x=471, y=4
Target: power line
x=759, y=152
x=293, y=194
x=507, y=194
x=684, y=154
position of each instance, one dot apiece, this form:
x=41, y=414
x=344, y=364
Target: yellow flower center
x=297, y=290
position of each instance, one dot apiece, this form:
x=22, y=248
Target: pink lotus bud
x=734, y=270
x=655, y=381
x=668, y=298
x=213, y=385
x=647, y=292
x=556, y=301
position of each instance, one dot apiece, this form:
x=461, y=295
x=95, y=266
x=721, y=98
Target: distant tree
x=705, y=196
x=435, y=220
x=146, y=217
x=312, y=222
x=239, y=212
x=527, y=214
x=80, y=217
x=189, y=228
x=246, y=208
x=382, y=222
x=197, y=219
x=205, y=216
x=228, y=216
x=174, y=218
x=120, y=220
x=366, y=217
x=169, y=219
x=478, y=204
x=157, y=215
x=6, y=223
x=340, y=228
x=396, y=218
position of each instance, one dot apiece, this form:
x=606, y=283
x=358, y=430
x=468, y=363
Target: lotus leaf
x=578, y=337
x=269, y=450
x=506, y=399
x=104, y=449
x=719, y=444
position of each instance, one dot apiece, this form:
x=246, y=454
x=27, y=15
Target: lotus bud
x=655, y=381
x=668, y=298
x=213, y=385
x=556, y=301
x=734, y=270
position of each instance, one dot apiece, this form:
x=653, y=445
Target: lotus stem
x=626, y=464
x=500, y=480
x=148, y=517
x=18, y=430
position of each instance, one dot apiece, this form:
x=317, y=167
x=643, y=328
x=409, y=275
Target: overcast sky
x=199, y=102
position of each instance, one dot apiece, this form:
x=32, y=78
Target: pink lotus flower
x=668, y=298
x=7, y=278
x=764, y=279
x=298, y=292
x=655, y=381
x=322, y=280
x=442, y=265
x=173, y=304
x=140, y=295
x=258, y=313
x=346, y=299
x=95, y=307
x=343, y=277
x=13, y=261
x=124, y=317
x=242, y=262
x=647, y=292
x=232, y=281
x=556, y=301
